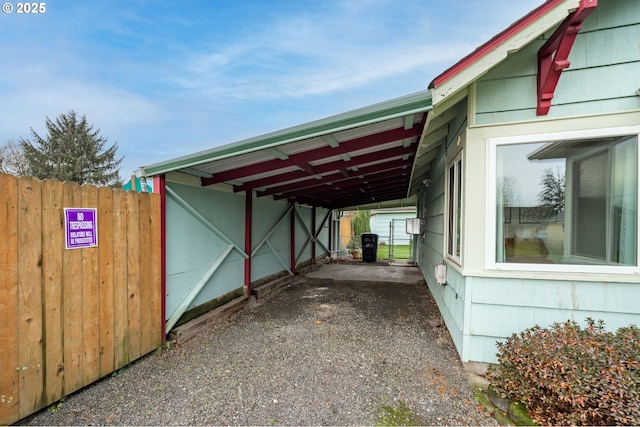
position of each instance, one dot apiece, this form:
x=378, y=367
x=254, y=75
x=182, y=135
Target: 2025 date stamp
x=24, y=8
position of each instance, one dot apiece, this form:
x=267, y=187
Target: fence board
x=105, y=257
x=133, y=273
x=155, y=231
x=71, y=316
x=53, y=249
x=90, y=299
x=30, y=294
x=72, y=288
x=120, y=276
x=9, y=376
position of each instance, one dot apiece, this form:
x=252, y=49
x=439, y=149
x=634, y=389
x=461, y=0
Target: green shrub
x=569, y=375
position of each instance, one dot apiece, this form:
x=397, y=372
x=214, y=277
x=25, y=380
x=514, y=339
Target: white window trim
x=458, y=158
x=490, y=191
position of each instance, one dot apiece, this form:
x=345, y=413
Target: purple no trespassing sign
x=80, y=227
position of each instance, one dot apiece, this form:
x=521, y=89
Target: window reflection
x=572, y=202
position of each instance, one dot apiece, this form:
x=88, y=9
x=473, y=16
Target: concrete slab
x=363, y=272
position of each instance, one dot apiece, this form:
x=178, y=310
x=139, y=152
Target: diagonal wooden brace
x=553, y=55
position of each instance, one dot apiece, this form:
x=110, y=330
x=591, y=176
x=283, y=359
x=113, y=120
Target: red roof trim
x=481, y=51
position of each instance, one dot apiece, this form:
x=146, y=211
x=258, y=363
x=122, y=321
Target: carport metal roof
x=362, y=158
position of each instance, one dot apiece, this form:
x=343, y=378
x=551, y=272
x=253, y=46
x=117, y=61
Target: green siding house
x=527, y=177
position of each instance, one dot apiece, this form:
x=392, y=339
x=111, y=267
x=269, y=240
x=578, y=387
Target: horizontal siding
x=501, y=97
x=453, y=296
x=526, y=303
x=607, y=46
x=613, y=297
x=602, y=78
x=380, y=225
x=587, y=85
x=567, y=110
x=482, y=348
x=624, y=13
x=450, y=297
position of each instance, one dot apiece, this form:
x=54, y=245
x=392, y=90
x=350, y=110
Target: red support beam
x=292, y=242
x=338, y=203
x=339, y=165
x=354, y=184
x=336, y=177
x=553, y=56
x=313, y=239
x=306, y=167
x=311, y=155
x=369, y=183
x=159, y=186
x=248, y=220
x=374, y=191
x=329, y=215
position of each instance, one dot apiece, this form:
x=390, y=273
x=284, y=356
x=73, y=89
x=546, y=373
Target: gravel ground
x=316, y=353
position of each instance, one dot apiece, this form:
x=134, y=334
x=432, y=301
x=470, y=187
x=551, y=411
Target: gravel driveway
x=316, y=353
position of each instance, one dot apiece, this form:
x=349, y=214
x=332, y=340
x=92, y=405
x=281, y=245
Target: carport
x=243, y=213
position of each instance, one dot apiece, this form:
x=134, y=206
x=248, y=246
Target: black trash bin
x=369, y=247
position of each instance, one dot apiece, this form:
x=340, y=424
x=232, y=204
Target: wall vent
x=441, y=274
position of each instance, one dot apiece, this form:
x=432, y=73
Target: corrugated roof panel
x=380, y=147
x=273, y=172
x=326, y=160
x=235, y=162
x=309, y=179
x=302, y=146
x=380, y=162
x=369, y=129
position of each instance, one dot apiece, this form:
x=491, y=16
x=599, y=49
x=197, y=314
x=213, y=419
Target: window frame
x=491, y=202
x=454, y=203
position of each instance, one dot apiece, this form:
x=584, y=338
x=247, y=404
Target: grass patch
x=396, y=414
x=399, y=251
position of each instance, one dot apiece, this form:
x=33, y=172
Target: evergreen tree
x=553, y=188
x=360, y=222
x=72, y=151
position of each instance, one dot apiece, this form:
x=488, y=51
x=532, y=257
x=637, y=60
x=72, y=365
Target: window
x=567, y=201
x=454, y=220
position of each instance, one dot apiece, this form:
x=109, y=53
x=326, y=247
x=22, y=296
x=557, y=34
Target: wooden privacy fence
x=71, y=316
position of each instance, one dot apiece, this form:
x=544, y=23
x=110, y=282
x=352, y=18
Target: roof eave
x=491, y=53
x=413, y=103
x=449, y=85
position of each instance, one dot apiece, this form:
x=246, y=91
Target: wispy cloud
x=313, y=53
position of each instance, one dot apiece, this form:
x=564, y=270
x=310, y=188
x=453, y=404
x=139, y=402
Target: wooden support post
x=292, y=243
x=330, y=248
x=313, y=240
x=248, y=218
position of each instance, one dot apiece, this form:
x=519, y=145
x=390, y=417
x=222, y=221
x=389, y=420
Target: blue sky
x=168, y=78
